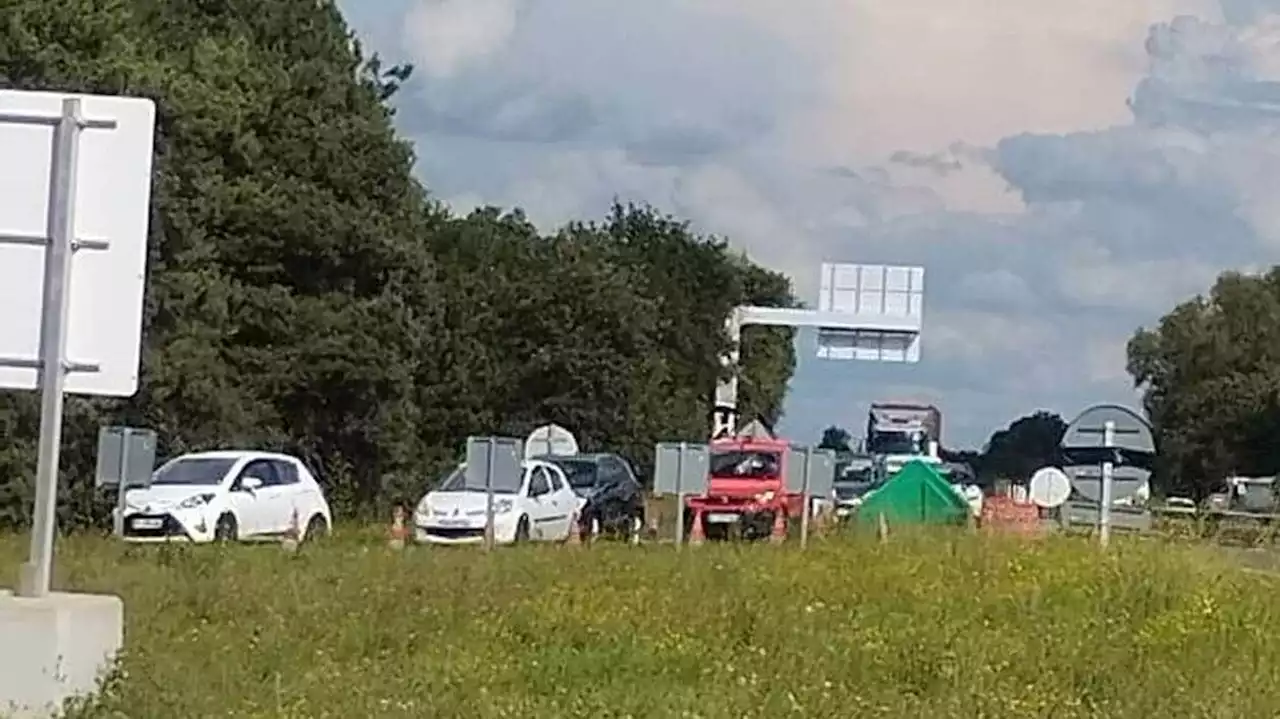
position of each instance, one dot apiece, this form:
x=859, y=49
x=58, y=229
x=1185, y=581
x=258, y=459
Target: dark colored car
x=612, y=493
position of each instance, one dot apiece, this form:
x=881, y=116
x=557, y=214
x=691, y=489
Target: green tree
x=1027, y=444
x=1209, y=372
x=836, y=438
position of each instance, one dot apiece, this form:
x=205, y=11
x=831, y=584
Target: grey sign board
x=1126, y=480
x=1131, y=431
x=126, y=457
x=810, y=470
x=494, y=462
x=680, y=468
x=1088, y=445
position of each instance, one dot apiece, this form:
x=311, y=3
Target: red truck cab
x=746, y=489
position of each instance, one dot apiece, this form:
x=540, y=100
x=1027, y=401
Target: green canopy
x=916, y=494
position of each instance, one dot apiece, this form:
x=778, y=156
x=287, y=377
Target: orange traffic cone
x=779, y=534
x=292, y=535
x=399, y=533
x=696, y=534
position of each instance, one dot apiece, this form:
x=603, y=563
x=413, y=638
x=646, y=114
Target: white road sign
x=111, y=211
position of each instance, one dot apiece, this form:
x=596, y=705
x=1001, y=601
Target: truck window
x=739, y=464
x=896, y=443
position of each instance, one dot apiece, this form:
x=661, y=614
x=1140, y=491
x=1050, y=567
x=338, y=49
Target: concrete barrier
x=53, y=648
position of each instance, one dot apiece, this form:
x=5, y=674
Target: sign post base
x=55, y=647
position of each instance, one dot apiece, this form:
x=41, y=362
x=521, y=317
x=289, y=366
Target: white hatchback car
x=227, y=495
x=541, y=508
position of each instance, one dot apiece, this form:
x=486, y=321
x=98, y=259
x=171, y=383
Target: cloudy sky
x=1065, y=172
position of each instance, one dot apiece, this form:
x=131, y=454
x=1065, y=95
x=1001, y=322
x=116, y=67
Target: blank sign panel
x=868, y=346
x=885, y=290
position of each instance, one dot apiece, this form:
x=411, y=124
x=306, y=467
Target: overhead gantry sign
x=869, y=313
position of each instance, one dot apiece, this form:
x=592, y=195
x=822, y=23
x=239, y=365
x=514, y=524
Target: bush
x=929, y=626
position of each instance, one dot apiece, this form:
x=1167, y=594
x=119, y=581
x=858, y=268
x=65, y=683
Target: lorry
x=746, y=493
x=898, y=432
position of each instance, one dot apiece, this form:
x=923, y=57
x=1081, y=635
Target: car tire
x=317, y=529
x=522, y=530
x=226, y=529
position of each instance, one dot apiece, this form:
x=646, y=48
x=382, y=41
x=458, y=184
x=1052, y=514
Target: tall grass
x=941, y=625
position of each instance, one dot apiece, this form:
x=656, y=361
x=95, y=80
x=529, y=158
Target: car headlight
x=197, y=501
x=765, y=497
x=502, y=506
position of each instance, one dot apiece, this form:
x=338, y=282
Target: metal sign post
x=681, y=469
x=51, y=363
x=71, y=325
x=808, y=507
x=126, y=459
x=870, y=313
x=1108, y=485
x=1096, y=468
x=679, y=502
x=810, y=472
x=490, y=459
x=489, y=538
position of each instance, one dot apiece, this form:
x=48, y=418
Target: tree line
x=306, y=293
x=1012, y=453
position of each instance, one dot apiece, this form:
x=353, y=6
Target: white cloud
x=1065, y=171
x=448, y=35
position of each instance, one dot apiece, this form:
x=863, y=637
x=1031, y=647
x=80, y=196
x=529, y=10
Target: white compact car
x=228, y=495
x=541, y=508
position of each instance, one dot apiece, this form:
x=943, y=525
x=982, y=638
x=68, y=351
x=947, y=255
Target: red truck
x=746, y=492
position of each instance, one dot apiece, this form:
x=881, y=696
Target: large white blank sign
x=873, y=292
x=111, y=217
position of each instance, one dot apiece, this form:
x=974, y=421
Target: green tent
x=916, y=494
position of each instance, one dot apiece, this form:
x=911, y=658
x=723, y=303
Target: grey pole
x=489, y=539
x=1109, y=440
x=1108, y=482
x=35, y=576
x=122, y=487
x=808, y=502
x=680, y=495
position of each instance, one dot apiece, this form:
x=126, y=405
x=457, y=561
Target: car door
x=284, y=496
x=564, y=501
x=248, y=504
x=541, y=507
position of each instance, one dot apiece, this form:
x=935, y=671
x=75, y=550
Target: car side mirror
x=250, y=483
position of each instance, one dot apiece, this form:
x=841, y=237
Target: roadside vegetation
x=936, y=625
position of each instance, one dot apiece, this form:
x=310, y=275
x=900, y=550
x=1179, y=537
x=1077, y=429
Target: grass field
x=935, y=626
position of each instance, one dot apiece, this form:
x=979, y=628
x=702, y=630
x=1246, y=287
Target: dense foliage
x=1210, y=375
x=938, y=626
x=305, y=293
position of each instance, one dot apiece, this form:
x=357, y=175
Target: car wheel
x=226, y=529
x=522, y=531
x=317, y=528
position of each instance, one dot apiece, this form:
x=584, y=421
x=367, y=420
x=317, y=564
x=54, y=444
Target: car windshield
x=742, y=464
x=581, y=473
x=195, y=471
x=457, y=482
